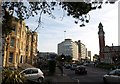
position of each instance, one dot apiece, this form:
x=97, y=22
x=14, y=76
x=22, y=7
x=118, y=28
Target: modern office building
x=82, y=51
x=68, y=48
x=89, y=55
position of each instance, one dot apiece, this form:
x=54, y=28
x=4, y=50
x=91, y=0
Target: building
x=82, y=51
x=107, y=54
x=111, y=54
x=89, y=55
x=96, y=58
x=68, y=48
x=101, y=34
x=20, y=45
x=47, y=55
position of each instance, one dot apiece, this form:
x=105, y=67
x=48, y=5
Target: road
x=94, y=75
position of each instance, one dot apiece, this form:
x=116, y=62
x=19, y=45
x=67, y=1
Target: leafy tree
x=6, y=24
x=52, y=67
x=68, y=59
x=24, y=10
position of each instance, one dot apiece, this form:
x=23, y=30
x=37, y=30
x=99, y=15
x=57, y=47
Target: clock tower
x=101, y=41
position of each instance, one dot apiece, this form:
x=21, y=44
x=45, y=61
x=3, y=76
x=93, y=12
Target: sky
x=51, y=32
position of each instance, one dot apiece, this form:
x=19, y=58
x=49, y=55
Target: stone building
x=20, y=45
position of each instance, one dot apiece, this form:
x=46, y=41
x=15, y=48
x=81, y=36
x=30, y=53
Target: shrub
x=12, y=77
x=52, y=66
x=105, y=65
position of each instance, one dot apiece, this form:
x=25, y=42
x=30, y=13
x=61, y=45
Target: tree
x=7, y=26
x=69, y=58
x=24, y=10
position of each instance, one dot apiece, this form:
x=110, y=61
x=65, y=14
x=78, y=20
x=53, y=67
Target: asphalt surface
x=94, y=75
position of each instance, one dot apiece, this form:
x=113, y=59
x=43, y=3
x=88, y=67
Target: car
x=81, y=70
x=112, y=77
x=85, y=64
x=33, y=74
x=115, y=67
x=67, y=66
x=73, y=66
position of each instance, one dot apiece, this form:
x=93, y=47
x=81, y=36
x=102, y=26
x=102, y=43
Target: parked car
x=73, y=66
x=81, y=70
x=33, y=74
x=85, y=64
x=112, y=77
x=67, y=66
x=115, y=67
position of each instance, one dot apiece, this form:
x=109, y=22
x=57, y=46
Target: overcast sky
x=52, y=30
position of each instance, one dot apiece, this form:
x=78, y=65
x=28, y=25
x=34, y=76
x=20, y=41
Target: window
x=34, y=71
x=12, y=42
x=11, y=57
x=26, y=48
x=13, y=29
x=21, y=59
x=26, y=59
x=27, y=71
x=112, y=72
x=118, y=72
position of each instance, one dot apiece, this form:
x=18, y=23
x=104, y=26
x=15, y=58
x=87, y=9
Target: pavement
x=58, y=78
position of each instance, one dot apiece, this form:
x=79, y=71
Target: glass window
x=11, y=57
x=13, y=29
x=12, y=42
x=34, y=71
x=26, y=48
x=112, y=72
x=21, y=59
x=118, y=72
x=27, y=71
x=26, y=59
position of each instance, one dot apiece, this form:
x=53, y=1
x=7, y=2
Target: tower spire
x=100, y=25
x=101, y=39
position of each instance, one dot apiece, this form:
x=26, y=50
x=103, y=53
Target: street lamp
x=62, y=57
